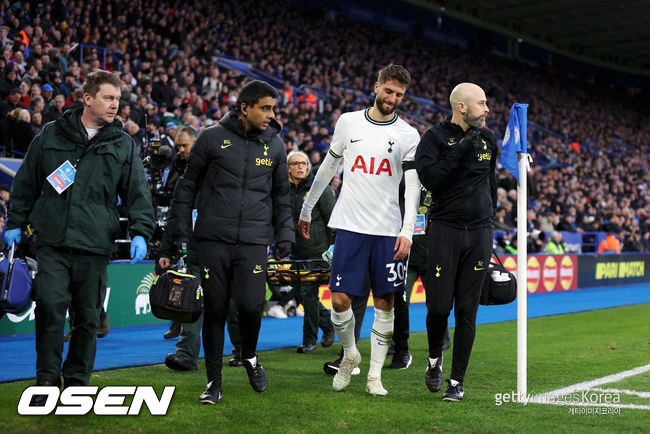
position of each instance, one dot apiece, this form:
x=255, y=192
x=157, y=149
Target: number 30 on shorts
x=396, y=271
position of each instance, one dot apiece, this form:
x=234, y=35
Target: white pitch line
x=623, y=391
x=542, y=398
x=598, y=381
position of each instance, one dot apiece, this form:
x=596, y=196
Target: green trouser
x=189, y=345
x=67, y=278
x=316, y=315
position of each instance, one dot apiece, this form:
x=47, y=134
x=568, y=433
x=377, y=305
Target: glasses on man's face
x=298, y=164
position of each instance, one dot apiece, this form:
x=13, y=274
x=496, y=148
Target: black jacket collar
x=455, y=128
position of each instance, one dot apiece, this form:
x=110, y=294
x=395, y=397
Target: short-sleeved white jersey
x=372, y=153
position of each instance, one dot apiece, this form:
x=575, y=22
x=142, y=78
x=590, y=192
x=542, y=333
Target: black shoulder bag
x=500, y=285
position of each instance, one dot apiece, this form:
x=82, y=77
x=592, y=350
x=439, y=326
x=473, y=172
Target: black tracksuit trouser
x=236, y=271
x=457, y=261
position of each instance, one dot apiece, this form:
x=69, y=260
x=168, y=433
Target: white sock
x=432, y=362
x=453, y=382
x=380, y=337
x=253, y=361
x=343, y=323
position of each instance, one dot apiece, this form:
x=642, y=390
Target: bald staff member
x=456, y=160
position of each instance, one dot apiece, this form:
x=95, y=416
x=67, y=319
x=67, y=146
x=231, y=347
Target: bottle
x=328, y=254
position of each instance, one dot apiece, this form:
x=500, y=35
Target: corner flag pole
x=522, y=275
x=515, y=159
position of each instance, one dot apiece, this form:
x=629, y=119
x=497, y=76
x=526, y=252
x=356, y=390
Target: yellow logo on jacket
x=484, y=156
x=264, y=162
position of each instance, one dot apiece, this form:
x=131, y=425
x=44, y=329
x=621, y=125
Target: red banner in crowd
x=547, y=273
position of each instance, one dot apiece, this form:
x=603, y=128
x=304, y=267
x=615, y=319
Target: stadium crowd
x=590, y=142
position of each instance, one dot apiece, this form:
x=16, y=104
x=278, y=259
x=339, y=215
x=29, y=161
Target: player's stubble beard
x=379, y=103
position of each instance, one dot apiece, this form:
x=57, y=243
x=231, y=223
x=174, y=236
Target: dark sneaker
x=72, y=382
x=103, y=329
x=306, y=348
x=453, y=393
x=41, y=400
x=256, y=375
x=433, y=377
x=331, y=368
x=174, y=331
x=401, y=361
x=178, y=362
x=236, y=361
x=328, y=338
x=212, y=393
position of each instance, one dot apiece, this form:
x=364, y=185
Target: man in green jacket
x=67, y=191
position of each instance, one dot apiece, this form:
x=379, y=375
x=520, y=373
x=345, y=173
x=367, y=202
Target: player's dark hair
x=394, y=72
x=253, y=91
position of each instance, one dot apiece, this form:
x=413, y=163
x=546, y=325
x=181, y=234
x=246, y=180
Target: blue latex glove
x=138, y=249
x=13, y=236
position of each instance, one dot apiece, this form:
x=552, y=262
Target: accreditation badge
x=62, y=177
x=420, y=225
x=195, y=215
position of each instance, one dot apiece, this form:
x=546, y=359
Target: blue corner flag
x=514, y=141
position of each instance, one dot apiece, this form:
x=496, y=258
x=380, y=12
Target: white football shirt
x=372, y=153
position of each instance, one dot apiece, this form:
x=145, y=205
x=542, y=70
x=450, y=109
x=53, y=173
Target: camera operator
x=184, y=140
x=157, y=158
x=150, y=132
x=171, y=130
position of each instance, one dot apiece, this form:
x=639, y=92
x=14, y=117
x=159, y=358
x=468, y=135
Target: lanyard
x=426, y=203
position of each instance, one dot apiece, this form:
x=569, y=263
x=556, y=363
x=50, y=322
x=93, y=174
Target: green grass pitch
x=562, y=350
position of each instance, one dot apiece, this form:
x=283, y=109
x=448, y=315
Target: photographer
x=184, y=140
x=157, y=158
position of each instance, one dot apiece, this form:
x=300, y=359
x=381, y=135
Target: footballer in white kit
x=377, y=148
x=373, y=155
